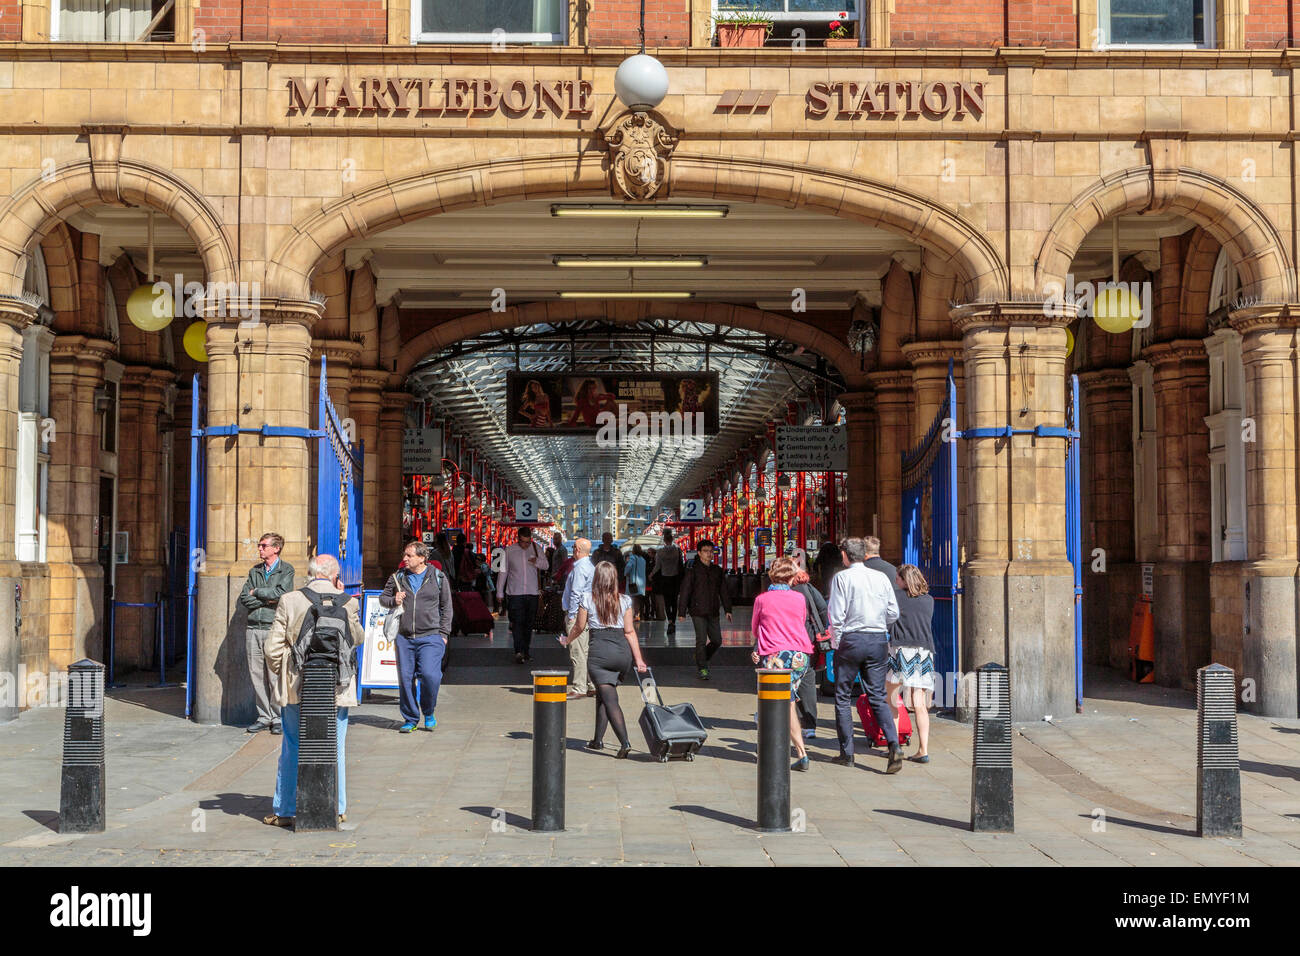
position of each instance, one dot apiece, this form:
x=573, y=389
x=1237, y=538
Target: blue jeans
x=418, y=656
x=285, y=801
x=867, y=654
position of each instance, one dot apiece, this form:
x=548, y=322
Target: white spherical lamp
x=641, y=82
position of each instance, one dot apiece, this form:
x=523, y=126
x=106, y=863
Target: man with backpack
x=423, y=594
x=318, y=620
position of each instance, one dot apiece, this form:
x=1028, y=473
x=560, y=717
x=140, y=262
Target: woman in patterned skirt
x=911, y=653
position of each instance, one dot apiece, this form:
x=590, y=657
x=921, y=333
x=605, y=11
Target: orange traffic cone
x=1142, y=644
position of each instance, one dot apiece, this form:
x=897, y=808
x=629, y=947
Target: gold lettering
x=818, y=99
x=299, y=100
x=346, y=100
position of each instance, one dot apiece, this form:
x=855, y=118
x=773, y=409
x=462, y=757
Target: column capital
x=304, y=312
x=891, y=380
x=855, y=401
x=337, y=350
x=16, y=312
x=369, y=379
x=82, y=350
x=1162, y=355
x=922, y=354
x=1096, y=379
x=1002, y=315
x=1265, y=318
x=397, y=400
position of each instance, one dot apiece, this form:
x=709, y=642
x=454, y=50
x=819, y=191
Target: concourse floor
x=1113, y=786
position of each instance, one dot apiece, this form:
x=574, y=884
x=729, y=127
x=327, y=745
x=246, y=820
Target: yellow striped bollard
x=549, y=698
x=773, y=750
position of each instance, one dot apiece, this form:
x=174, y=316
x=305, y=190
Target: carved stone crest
x=638, y=155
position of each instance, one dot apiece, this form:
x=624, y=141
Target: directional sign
x=422, y=451
x=692, y=509
x=812, y=448
x=525, y=509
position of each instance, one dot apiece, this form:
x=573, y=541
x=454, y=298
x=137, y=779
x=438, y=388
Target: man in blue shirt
x=421, y=633
x=576, y=585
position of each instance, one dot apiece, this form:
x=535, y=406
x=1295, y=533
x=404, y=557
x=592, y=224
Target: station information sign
x=812, y=448
x=422, y=451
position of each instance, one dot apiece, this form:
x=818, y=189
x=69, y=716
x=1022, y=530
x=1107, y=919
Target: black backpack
x=326, y=633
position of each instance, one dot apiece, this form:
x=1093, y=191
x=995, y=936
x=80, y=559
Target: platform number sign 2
x=692, y=509
x=525, y=509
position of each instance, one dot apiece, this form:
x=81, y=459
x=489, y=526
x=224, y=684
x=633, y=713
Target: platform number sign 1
x=692, y=509
x=525, y=509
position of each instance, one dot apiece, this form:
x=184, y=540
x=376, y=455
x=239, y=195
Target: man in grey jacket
x=424, y=596
x=267, y=582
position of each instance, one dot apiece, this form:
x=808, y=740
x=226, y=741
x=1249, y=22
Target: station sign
x=526, y=510
x=692, y=509
x=422, y=451
x=812, y=448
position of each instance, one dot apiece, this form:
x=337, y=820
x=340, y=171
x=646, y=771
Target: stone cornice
x=1099, y=378
x=1264, y=317
x=280, y=312
x=369, y=379
x=891, y=379
x=927, y=353
x=855, y=401
x=82, y=349
x=16, y=313
x=1161, y=354
x=337, y=350
x=1004, y=315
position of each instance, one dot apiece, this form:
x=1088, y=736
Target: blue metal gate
x=338, y=491
x=197, y=538
x=1074, y=531
x=930, y=534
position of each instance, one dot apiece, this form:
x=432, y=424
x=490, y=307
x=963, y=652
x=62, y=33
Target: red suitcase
x=469, y=614
x=874, y=734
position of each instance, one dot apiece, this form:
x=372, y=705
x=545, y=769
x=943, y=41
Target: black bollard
x=318, y=765
x=1218, y=765
x=991, y=790
x=82, y=793
x=548, y=749
x=773, y=751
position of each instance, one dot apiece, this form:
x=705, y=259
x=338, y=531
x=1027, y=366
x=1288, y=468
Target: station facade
x=994, y=147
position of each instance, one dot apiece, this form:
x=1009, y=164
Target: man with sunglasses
x=267, y=582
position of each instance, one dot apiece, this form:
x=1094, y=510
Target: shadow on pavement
x=239, y=805
x=927, y=818
x=370, y=720
x=1139, y=825
x=1270, y=769
x=497, y=813
x=717, y=815
x=46, y=818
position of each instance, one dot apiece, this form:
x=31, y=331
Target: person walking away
x=911, y=654
x=667, y=573
x=781, y=641
x=459, y=550
x=829, y=564
x=609, y=554
x=576, y=587
x=704, y=591
x=288, y=638
x=634, y=575
x=522, y=563
x=424, y=595
x=862, y=608
x=268, y=581
x=442, y=556
x=613, y=653
x=875, y=561
x=556, y=556
x=818, y=627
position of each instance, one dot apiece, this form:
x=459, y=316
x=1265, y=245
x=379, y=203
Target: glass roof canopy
x=757, y=376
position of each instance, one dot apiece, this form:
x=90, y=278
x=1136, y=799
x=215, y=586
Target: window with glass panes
x=1157, y=22
x=485, y=21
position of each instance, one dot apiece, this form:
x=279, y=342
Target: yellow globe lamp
x=1069, y=343
x=150, y=311
x=194, y=341
x=1116, y=310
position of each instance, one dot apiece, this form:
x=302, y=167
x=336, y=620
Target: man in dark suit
x=875, y=561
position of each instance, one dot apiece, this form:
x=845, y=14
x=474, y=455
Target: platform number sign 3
x=525, y=509
x=692, y=509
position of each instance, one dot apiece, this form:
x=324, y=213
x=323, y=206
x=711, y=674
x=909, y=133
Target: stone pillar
x=862, y=461
x=141, y=512
x=1106, y=474
x=1018, y=607
x=15, y=315
x=367, y=405
x=77, y=612
x=257, y=375
x=1181, y=596
x=1271, y=356
x=392, y=423
x=894, y=424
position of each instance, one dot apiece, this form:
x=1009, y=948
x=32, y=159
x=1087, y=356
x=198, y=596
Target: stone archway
x=1228, y=215
x=976, y=262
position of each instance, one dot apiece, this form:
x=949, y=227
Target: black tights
x=608, y=711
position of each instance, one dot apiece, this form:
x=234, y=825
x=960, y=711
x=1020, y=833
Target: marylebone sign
x=573, y=97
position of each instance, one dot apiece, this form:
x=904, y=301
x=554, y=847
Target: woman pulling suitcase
x=612, y=652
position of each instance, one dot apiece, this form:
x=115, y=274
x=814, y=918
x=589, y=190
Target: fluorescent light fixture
x=626, y=295
x=631, y=262
x=647, y=211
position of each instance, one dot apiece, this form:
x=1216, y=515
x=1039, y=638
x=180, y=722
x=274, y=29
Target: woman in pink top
x=781, y=640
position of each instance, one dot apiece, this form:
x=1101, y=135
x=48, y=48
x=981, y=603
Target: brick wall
x=1049, y=23
x=951, y=23
x=220, y=19
x=11, y=20
x=616, y=22
x=286, y=21
x=1269, y=23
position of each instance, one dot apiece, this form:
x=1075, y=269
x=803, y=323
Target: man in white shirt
x=576, y=585
x=518, y=578
x=862, y=606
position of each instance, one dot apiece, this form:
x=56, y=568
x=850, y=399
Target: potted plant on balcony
x=742, y=28
x=841, y=35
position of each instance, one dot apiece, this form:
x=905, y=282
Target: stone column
x=1271, y=356
x=1106, y=473
x=1018, y=607
x=257, y=375
x=77, y=366
x=862, y=461
x=367, y=405
x=15, y=315
x=141, y=512
x=1181, y=596
x=392, y=423
x=894, y=423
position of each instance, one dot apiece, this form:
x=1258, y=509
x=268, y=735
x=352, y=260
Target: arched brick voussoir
x=33, y=211
x=1227, y=214
x=717, y=177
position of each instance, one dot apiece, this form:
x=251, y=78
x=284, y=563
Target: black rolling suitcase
x=674, y=731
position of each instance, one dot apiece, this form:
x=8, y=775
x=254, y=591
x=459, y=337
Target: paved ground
x=1114, y=786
